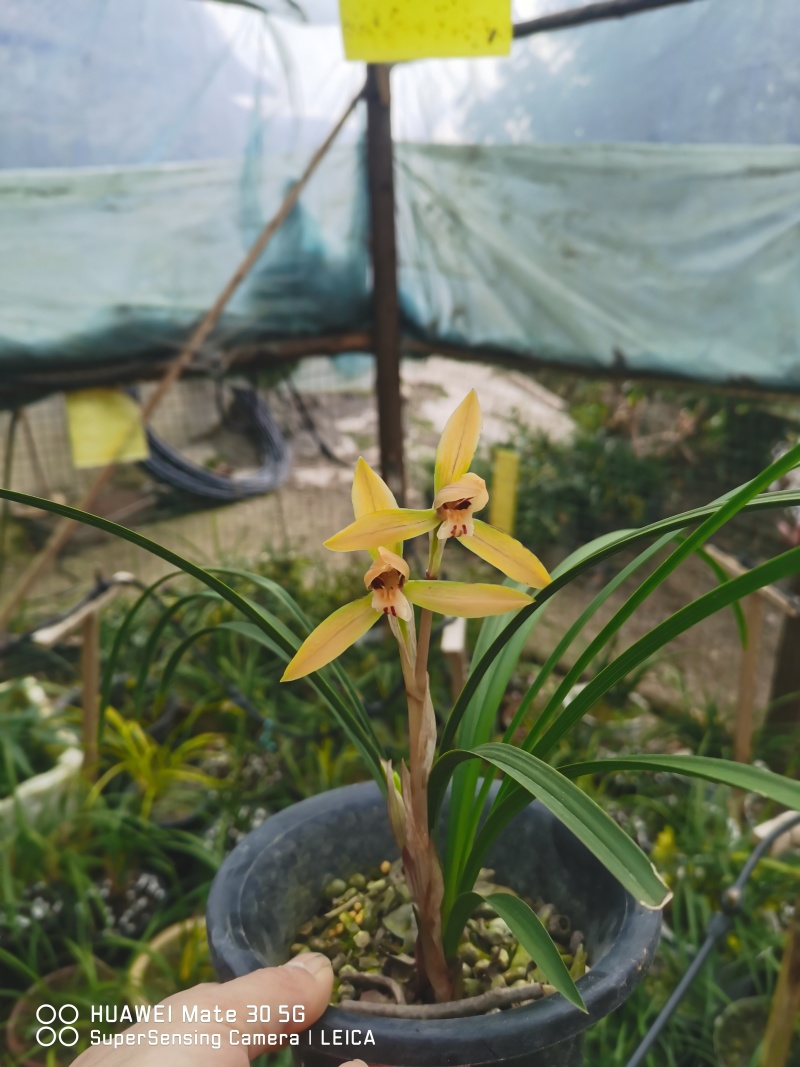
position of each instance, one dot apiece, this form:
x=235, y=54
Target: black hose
x=168, y=465
x=718, y=926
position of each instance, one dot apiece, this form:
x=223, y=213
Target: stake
x=785, y=1002
x=385, y=305
x=64, y=530
x=90, y=684
x=748, y=672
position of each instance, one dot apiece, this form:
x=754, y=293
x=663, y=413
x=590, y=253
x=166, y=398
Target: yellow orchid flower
x=391, y=593
x=459, y=493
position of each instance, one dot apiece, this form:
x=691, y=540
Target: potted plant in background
x=578, y=854
x=40, y=759
x=69, y=994
x=176, y=958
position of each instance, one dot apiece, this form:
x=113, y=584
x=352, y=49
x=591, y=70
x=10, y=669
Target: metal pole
x=600, y=12
x=386, y=312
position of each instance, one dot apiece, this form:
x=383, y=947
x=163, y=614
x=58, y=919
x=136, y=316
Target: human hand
x=305, y=981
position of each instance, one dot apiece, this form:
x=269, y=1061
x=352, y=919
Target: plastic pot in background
x=46, y=792
x=273, y=882
x=175, y=959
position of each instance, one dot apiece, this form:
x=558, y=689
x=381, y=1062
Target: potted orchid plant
x=442, y=874
x=444, y=812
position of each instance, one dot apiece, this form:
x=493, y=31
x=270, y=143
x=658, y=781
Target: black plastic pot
x=272, y=883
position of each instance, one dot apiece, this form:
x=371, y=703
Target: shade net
x=619, y=195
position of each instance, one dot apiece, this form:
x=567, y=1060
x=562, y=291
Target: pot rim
x=505, y=1035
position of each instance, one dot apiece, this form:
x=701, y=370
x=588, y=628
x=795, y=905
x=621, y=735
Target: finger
x=276, y=1000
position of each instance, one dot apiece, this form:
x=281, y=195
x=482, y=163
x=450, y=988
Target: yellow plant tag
x=389, y=31
x=503, y=501
x=104, y=427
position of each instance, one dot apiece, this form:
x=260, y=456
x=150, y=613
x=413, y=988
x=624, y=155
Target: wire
x=718, y=925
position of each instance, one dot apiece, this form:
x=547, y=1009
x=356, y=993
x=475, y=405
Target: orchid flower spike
x=391, y=593
x=459, y=493
x=390, y=590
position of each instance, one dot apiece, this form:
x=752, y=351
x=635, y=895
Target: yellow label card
x=505, y=479
x=104, y=427
x=388, y=31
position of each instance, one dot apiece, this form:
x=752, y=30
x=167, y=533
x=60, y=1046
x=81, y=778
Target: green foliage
x=275, y=621
x=636, y=455
x=570, y=493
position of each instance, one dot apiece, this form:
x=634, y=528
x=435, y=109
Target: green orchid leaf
x=604, y=838
x=362, y=735
x=606, y=546
x=701, y=608
x=166, y=617
x=527, y=927
x=721, y=771
x=726, y=509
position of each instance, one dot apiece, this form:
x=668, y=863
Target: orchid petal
x=507, y=554
x=330, y=639
x=393, y=559
x=467, y=600
x=458, y=442
x=383, y=528
x=468, y=487
x=370, y=494
x=385, y=561
x=395, y=604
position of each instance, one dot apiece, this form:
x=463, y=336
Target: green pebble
x=368, y=963
x=515, y=974
x=335, y=888
x=498, y=982
x=350, y=925
x=357, y=881
x=472, y=987
x=348, y=968
x=377, y=886
x=521, y=958
x=361, y=939
x=297, y=948
x=469, y=953
x=502, y=959
x=346, y=991
x=578, y=968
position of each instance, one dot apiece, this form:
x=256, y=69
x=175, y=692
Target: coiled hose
x=168, y=465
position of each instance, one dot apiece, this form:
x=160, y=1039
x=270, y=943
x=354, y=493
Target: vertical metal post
x=386, y=312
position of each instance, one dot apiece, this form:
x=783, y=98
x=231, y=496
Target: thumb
x=279, y=1000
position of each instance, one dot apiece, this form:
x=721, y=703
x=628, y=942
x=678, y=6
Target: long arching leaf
x=595, y=553
x=604, y=838
x=527, y=928
x=721, y=771
x=363, y=737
